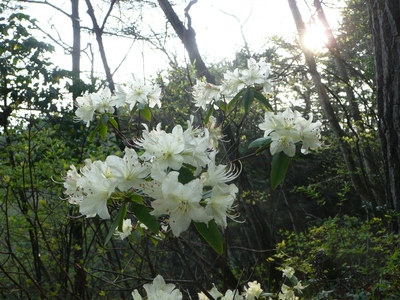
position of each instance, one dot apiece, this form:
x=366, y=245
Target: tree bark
x=76, y=44
x=188, y=38
x=385, y=27
x=98, y=31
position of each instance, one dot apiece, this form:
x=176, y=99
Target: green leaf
x=103, y=131
x=260, y=97
x=235, y=99
x=248, y=97
x=260, y=142
x=93, y=133
x=208, y=115
x=146, y=113
x=136, y=198
x=185, y=175
x=104, y=119
x=211, y=234
x=142, y=213
x=221, y=104
x=280, y=165
x=113, y=122
x=118, y=219
x=123, y=215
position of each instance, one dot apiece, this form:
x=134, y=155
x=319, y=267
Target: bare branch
x=108, y=14
x=49, y=4
x=241, y=25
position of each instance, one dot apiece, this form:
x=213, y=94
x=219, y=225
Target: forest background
x=335, y=218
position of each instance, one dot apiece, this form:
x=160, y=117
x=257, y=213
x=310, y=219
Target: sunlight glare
x=315, y=38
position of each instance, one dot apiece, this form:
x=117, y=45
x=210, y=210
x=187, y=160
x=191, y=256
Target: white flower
x=85, y=111
x=288, y=128
x=196, y=145
x=205, y=93
x=153, y=97
x=137, y=93
x=213, y=292
x=218, y=174
x=136, y=295
x=70, y=184
x=215, y=133
x=255, y=73
x=159, y=290
x=91, y=188
x=232, y=295
x=299, y=287
x=120, y=95
x=180, y=201
x=287, y=293
x=309, y=133
x=96, y=189
x=232, y=83
x=254, y=290
x=128, y=171
x=288, y=272
x=220, y=203
x=284, y=142
x=103, y=103
x=73, y=191
x=126, y=229
x=202, y=296
x=165, y=148
x=283, y=130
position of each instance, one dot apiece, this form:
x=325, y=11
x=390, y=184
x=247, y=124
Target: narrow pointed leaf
x=211, y=234
x=208, y=115
x=142, y=213
x=103, y=131
x=120, y=216
x=123, y=215
x=248, y=97
x=113, y=122
x=235, y=99
x=260, y=142
x=146, y=113
x=260, y=97
x=280, y=165
x=93, y=133
x=104, y=119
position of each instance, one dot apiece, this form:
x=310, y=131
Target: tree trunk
x=98, y=31
x=385, y=26
x=365, y=156
x=76, y=44
x=328, y=109
x=188, y=38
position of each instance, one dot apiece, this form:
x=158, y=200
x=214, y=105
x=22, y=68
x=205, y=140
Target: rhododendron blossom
x=159, y=290
x=288, y=128
x=180, y=202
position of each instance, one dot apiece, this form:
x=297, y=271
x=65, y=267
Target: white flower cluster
x=252, y=292
x=134, y=93
x=289, y=292
x=126, y=229
x=205, y=93
x=155, y=173
x=159, y=290
x=288, y=128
